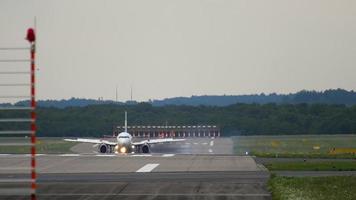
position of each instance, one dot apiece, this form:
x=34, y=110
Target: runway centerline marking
x=210, y=151
x=168, y=155
x=212, y=143
x=148, y=167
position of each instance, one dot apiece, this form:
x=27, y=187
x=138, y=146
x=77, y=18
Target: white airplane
x=124, y=143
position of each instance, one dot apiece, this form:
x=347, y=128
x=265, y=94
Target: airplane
x=124, y=143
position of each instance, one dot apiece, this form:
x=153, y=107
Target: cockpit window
x=123, y=136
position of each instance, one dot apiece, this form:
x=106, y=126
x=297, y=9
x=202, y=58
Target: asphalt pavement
x=198, y=168
x=173, y=185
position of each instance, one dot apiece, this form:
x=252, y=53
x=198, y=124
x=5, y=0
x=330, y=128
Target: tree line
x=332, y=96
x=237, y=119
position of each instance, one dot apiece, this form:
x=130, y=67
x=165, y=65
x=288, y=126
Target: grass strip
x=42, y=146
x=312, y=166
x=313, y=188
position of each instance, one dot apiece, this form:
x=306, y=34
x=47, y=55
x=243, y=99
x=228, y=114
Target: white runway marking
x=20, y=155
x=168, y=155
x=69, y=155
x=148, y=167
x=196, y=143
x=211, y=143
x=105, y=155
x=187, y=143
x=141, y=155
x=210, y=151
x=14, y=168
x=15, y=180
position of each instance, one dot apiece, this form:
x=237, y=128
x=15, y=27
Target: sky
x=169, y=48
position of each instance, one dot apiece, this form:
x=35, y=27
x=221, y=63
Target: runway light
x=123, y=150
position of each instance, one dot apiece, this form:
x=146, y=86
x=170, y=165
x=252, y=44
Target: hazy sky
x=166, y=48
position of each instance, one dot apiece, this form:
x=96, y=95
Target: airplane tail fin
x=125, y=121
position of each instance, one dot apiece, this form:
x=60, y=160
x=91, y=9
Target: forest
x=331, y=96
x=236, y=119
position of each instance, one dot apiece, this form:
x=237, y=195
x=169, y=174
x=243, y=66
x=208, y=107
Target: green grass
x=313, y=166
x=304, y=146
x=313, y=188
x=43, y=145
x=301, y=155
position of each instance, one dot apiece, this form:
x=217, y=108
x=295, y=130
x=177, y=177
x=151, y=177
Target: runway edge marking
x=69, y=155
x=105, y=155
x=141, y=155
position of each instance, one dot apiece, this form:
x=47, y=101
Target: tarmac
x=199, y=168
x=190, y=146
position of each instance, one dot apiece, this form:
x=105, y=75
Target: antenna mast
x=125, y=121
x=116, y=94
x=131, y=93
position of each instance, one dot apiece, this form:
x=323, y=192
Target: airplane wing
x=157, y=141
x=92, y=141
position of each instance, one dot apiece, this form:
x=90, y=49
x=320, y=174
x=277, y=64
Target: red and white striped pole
x=31, y=37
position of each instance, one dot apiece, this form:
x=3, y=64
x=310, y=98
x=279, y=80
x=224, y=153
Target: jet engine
x=145, y=148
x=104, y=148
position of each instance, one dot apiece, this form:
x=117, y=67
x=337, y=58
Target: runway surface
x=190, y=146
x=194, y=169
x=177, y=185
x=87, y=163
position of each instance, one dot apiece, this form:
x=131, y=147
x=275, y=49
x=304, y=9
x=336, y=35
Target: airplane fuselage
x=124, y=143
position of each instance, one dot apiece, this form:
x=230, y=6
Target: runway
x=156, y=185
x=190, y=146
x=86, y=163
x=170, y=172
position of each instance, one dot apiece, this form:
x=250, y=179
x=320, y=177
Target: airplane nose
x=123, y=141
